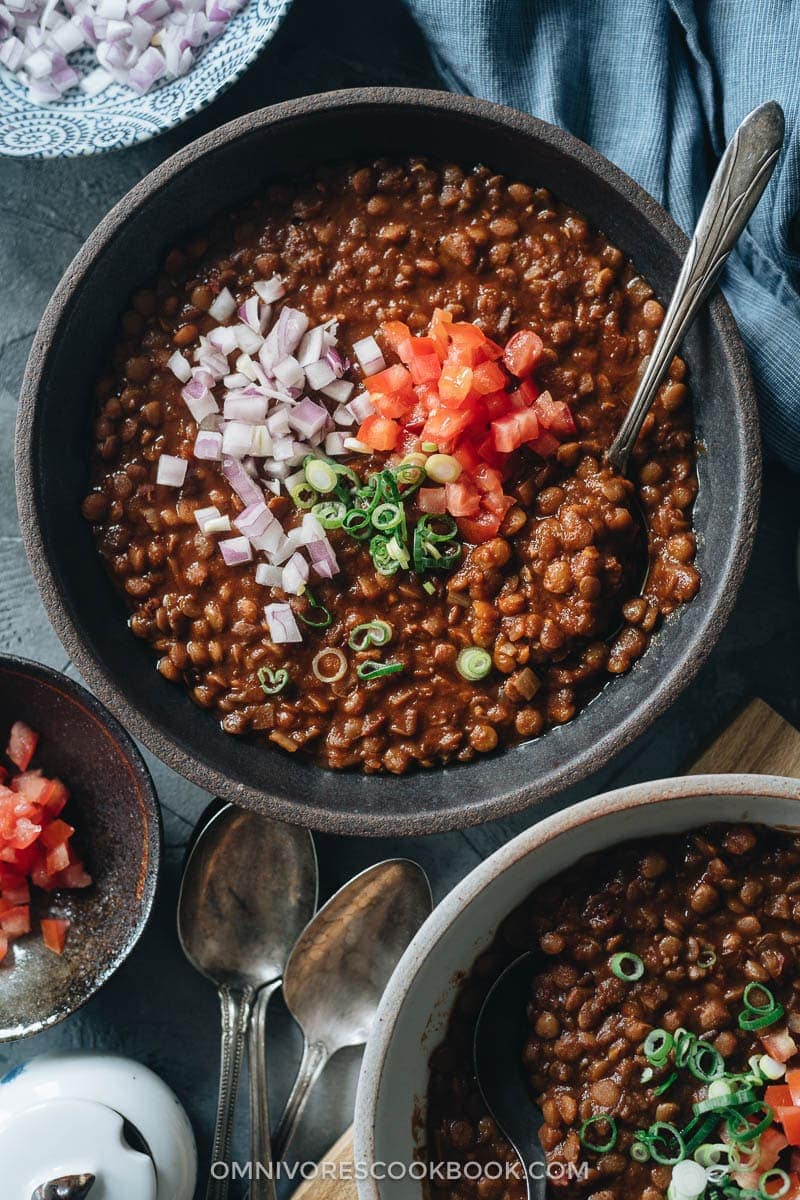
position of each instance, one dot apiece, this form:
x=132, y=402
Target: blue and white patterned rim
x=80, y=124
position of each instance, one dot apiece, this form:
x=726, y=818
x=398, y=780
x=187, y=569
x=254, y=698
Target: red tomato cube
x=54, y=933
x=523, y=352
x=21, y=745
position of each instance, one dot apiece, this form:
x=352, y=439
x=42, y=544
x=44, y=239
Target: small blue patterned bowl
x=80, y=124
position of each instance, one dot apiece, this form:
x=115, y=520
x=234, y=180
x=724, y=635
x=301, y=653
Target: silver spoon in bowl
x=249, y=887
x=739, y=181
x=340, y=967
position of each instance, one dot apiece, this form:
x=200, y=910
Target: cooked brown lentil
x=732, y=889
x=394, y=241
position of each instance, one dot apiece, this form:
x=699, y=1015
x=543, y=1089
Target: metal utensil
x=248, y=889
x=500, y=1035
x=338, y=970
x=69, y=1187
x=738, y=184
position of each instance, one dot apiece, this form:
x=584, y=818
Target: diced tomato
x=489, y=452
x=73, y=877
x=21, y=745
x=780, y=1046
x=395, y=405
x=16, y=891
x=379, y=433
x=57, y=859
x=778, y=1096
x=479, y=528
x=394, y=381
x=498, y=503
x=545, y=445
x=793, y=1084
x=56, y=833
x=25, y=834
x=523, y=352
x=496, y=404
x=526, y=394
x=425, y=368
x=789, y=1118
x=555, y=415
x=455, y=384
x=54, y=933
x=513, y=430
x=462, y=498
x=445, y=425
x=396, y=333
x=439, y=331
x=432, y=500
x=467, y=456
x=488, y=377
x=16, y=921
x=771, y=1145
x=488, y=479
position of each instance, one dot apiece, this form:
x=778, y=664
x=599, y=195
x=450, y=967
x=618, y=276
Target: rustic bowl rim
x=502, y=800
x=150, y=809
x=373, y=1076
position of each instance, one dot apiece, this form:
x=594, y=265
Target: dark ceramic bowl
x=220, y=170
x=117, y=823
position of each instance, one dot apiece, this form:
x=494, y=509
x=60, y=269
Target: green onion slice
x=706, y=1063
x=639, y=1152
x=715, y=1154
x=760, y=1021
x=740, y=1129
x=304, y=495
x=429, y=447
x=320, y=474
x=658, y=1138
x=755, y=989
x=781, y=1177
x=647, y=1075
x=474, y=663
x=370, y=633
x=271, y=681
x=666, y=1085
x=706, y=958
x=657, y=1046
x=329, y=654
x=627, y=966
x=376, y=670
x=384, y=561
x=322, y=618
x=357, y=524
x=731, y=1100
x=598, y=1147
x=387, y=516
x=410, y=476
x=330, y=513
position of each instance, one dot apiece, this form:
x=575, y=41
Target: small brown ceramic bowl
x=114, y=809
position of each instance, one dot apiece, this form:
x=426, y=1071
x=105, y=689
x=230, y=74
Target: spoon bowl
x=248, y=889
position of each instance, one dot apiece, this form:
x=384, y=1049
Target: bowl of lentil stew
x=439, y=720
x=693, y=881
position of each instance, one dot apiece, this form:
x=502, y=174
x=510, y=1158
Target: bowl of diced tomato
x=80, y=838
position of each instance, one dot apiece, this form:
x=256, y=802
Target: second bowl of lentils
x=327, y=505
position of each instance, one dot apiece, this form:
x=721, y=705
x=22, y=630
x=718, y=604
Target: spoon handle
x=236, y=1007
x=315, y=1056
x=739, y=181
x=263, y=1184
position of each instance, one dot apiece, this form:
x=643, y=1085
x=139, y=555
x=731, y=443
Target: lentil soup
x=664, y=1019
x=527, y=600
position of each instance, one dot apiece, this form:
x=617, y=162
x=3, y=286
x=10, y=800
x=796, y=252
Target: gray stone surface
x=156, y=1009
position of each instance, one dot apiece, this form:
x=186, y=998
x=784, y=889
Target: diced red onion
x=237, y=438
x=246, y=366
x=223, y=339
x=271, y=540
x=295, y=575
x=284, y=337
x=180, y=367
x=343, y=416
x=278, y=422
x=319, y=374
x=236, y=550
x=311, y=529
x=326, y=567
x=248, y=341
x=270, y=290
x=340, y=390
x=283, y=449
x=240, y=481
x=368, y=354
x=261, y=444
x=218, y=525
x=268, y=576
x=223, y=306
x=312, y=346
x=361, y=407
x=337, y=362
x=282, y=624
x=289, y=372
x=208, y=445
x=240, y=406
x=356, y=446
x=201, y=515
x=307, y=418
x=235, y=381
x=148, y=69
x=334, y=445
x=171, y=470
x=250, y=314
x=254, y=520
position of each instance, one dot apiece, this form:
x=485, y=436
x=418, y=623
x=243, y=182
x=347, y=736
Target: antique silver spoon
x=743, y=173
x=340, y=966
x=248, y=889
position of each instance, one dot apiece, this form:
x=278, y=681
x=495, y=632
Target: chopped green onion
x=706, y=1063
x=384, y=561
x=777, y=1174
x=330, y=513
x=663, y=1132
x=271, y=681
x=376, y=670
x=323, y=620
x=684, y=1045
x=748, y=1002
x=410, y=475
x=639, y=1152
x=387, y=516
x=770, y=1068
x=429, y=587
x=474, y=663
x=627, y=966
x=598, y=1147
x=647, y=1075
x=357, y=524
x=720, y=1087
x=740, y=1129
x=706, y=958
x=711, y=1155
x=730, y=1100
x=329, y=652
x=760, y=1021
x=688, y=1181
x=303, y=495
x=666, y=1085
x=698, y=1130
x=657, y=1046
x=429, y=447
x=370, y=633
x=398, y=552
x=320, y=474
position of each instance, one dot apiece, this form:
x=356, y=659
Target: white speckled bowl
x=80, y=124
x=416, y=1005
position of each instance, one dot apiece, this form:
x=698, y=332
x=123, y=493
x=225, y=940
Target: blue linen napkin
x=658, y=86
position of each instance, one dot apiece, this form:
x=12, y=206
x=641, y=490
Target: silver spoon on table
x=248, y=889
x=739, y=181
x=500, y=1035
x=341, y=965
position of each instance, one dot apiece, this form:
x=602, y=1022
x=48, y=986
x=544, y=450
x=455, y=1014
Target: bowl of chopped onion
x=81, y=77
